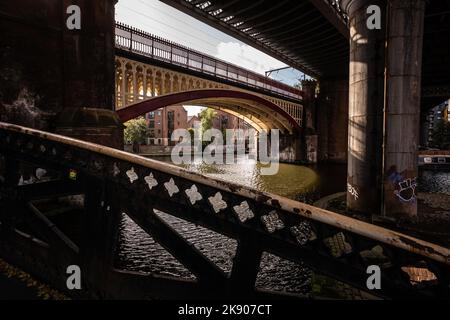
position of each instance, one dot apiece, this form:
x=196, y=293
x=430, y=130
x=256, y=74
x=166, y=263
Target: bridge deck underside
x=314, y=39
x=307, y=35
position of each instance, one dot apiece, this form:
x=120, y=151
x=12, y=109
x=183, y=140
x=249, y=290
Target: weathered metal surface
x=113, y=182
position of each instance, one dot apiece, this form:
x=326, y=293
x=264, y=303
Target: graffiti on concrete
x=407, y=191
x=352, y=191
x=405, y=188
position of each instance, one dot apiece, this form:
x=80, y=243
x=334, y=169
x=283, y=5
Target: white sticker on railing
x=193, y=194
x=132, y=175
x=272, y=222
x=171, y=187
x=151, y=181
x=217, y=203
x=243, y=212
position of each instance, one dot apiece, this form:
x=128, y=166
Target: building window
x=159, y=113
x=151, y=124
x=151, y=115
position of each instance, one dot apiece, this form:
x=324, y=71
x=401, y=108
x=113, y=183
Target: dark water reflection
x=434, y=181
x=139, y=252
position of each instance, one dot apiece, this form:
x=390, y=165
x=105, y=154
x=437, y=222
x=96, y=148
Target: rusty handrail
x=383, y=235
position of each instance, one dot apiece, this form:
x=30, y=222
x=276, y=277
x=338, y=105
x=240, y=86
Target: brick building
x=163, y=122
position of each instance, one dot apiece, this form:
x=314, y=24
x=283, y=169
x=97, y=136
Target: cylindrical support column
x=334, y=102
x=309, y=97
x=309, y=140
x=402, y=114
x=366, y=101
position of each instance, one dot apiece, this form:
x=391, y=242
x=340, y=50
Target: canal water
x=434, y=181
x=138, y=252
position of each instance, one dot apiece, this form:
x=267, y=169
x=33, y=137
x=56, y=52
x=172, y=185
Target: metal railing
x=114, y=182
x=146, y=44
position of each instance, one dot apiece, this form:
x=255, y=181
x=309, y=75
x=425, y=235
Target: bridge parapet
x=113, y=182
x=146, y=44
x=137, y=81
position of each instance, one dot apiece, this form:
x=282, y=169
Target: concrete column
x=309, y=136
x=309, y=97
x=402, y=114
x=336, y=92
x=366, y=101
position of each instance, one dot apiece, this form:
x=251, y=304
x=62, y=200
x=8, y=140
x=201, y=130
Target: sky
x=162, y=20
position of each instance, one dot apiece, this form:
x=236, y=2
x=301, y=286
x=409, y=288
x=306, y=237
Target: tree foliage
x=207, y=117
x=135, y=131
x=441, y=135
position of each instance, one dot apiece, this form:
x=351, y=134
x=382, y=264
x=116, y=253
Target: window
x=151, y=124
x=151, y=115
x=159, y=113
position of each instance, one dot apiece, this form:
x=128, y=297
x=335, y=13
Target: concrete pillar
x=336, y=95
x=309, y=97
x=366, y=101
x=309, y=137
x=402, y=114
x=331, y=120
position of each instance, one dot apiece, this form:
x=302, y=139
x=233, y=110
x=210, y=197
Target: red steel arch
x=140, y=108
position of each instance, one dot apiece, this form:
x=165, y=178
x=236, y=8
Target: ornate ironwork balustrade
x=36, y=165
